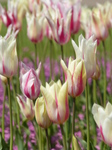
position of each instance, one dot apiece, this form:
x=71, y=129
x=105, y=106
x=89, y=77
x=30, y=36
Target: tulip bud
x=29, y=81
x=8, y=56
x=87, y=52
x=4, y=79
x=56, y=99
x=103, y=118
x=75, y=74
x=41, y=113
x=97, y=72
x=27, y=107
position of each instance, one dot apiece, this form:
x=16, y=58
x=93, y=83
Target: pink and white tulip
x=59, y=21
x=87, y=51
x=41, y=115
x=29, y=81
x=75, y=74
x=56, y=99
x=27, y=107
x=75, y=17
x=103, y=118
x=8, y=55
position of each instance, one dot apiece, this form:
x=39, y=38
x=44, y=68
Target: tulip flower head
x=75, y=74
x=41, y=115
x=34, y=25
x=59, y=21
x=27, y=107
x=99, y=26
x=75, y=17
x=8, y=55
x=56, y=99
x=29, y=81
x=87, y=52
x=103, y=118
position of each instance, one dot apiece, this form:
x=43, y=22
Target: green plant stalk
x=94, y=91
x=62, y=53
x=40, y=138
x=73, y=121
x=35, y=56
x=51, y=67
x=87, y=117
x=10, y=109
x=47, y=139
x=63, y=135
x=18, y=54
x=105, y=82
x=3, y=112
x=18, y=110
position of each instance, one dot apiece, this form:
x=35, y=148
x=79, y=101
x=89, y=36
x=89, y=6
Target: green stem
x=105, y=83
x=36, y=134
x=40, y=139
x=3, y=111
x=87, y=117
x=18, y=54
x=73, y=120
x=94, y=91
x=47, y=139
x=64, y=139
x=10, y=109
x=62, y=53
x=17, y=106
x=50, y=59
x=35, y=56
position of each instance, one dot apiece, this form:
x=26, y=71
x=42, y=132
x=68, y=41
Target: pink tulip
x=59, y=21
x=29, y=81
x=75, y=17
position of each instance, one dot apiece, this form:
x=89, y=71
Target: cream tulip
x=41, y=115
x=27, y=107
x=8, y=55
x=87, y=52
x=56, y=99
x=75, y=74
x=103, y=118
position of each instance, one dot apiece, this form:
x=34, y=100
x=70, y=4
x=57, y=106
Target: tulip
x=103, y=118
x=99, y=26
x=41, y=115
x=106, y=11
x=5, y=16
x=59, y=21
x=86, y=21
x=56, y=99
x=75, y=17
x=3, y=79
x=29, y=81
x=87, y=52
x=27, y=107
x=34, y=26
x=97, y=72
x=75, y=74
x=8, y=55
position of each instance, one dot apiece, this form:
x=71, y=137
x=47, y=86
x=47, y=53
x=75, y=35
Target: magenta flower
x=29, y=81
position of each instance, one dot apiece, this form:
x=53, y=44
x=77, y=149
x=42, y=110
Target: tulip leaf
x=19, y=140
x=83, y=143
x=75, y=144
x=3, y=144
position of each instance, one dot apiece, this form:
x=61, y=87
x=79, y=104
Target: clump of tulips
x=53, y=107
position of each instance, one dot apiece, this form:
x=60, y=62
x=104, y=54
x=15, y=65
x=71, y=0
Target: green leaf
x=75, y=143
x=19, y=140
